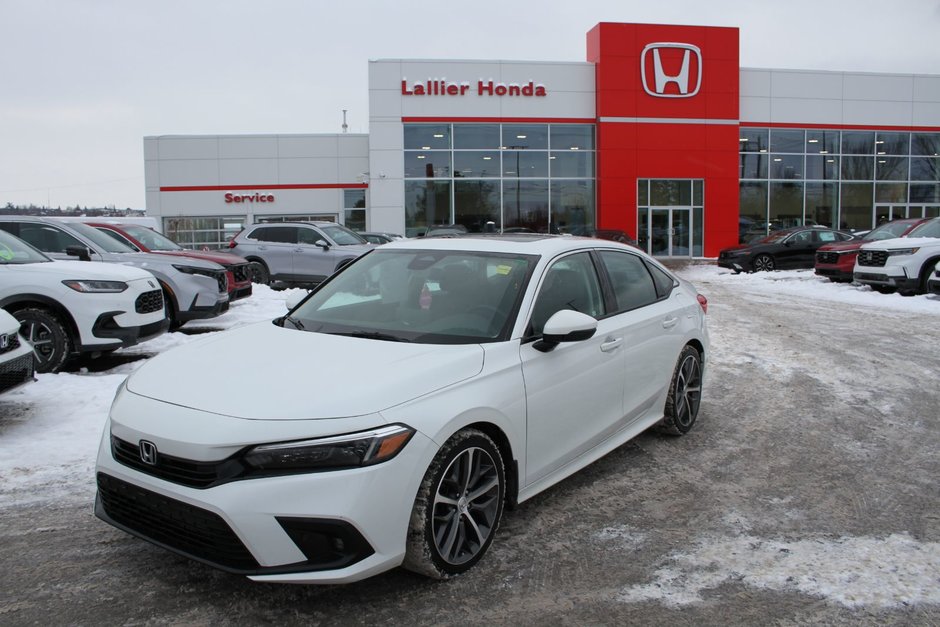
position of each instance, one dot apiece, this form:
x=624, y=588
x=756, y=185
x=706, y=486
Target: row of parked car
x=900, y=256
x=65, y=307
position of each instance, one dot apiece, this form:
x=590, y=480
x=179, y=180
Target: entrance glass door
x=668, y=232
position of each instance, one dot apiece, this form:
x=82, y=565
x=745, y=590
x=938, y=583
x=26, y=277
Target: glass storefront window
x=927, y=144
x=786, y=204
x=891, y=168
x=198, y=233
x=476, y=164
x=427, y=136
x=476, y=203
x=476, y=136
x=434, y=164
x=525, y=137
x=354, y=198
x=822, y=142
x=525, y=164
x=572, y=207
x=786, y=140
x=753, y=166
x=571, y=164
x=925, y=193
x=754, y=140
x=891, y=192
x=426, y=203
x=858, y=143
x=925, y=169
x=525, y=204
x=665, y=193
x=698, y=192
x=571, y=137
x=355, y=219
x=786, y=166
x=857, y=168
x=822, y=202
x=823, y=167
x=892, y=143
x=856, y=206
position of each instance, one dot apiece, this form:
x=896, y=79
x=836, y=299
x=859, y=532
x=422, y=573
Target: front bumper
x=17, y=368
x=880, y=279
x=735, y=263
x=834, y=272
x=107, y=328
x=196, y=311
x=256, y=527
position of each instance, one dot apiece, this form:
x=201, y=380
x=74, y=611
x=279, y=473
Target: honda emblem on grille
x=148, y=452
x=4, y=341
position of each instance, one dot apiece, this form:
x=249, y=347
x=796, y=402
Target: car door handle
x=668, y=323
x=611, y=343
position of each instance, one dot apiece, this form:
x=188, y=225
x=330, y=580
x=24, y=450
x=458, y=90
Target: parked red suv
x=837, y=260
x=149, y=241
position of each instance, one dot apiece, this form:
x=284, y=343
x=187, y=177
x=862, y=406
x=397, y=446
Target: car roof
x=296, y=223
x=517, y=243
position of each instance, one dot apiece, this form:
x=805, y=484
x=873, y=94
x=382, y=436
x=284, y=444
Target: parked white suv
x=902, y=264
x=66, y=308
x=16, y=356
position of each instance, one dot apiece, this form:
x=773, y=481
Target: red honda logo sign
x=684, y=62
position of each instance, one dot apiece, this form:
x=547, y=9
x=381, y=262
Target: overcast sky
x=83, y=81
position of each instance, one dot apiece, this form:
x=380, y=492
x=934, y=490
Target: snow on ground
x=50, y=430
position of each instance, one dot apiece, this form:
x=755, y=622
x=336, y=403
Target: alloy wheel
x=688, y=391
x=466, y=506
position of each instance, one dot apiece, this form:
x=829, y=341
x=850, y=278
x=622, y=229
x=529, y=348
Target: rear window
x=281, y=234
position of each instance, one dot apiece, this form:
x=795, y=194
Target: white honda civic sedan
x=390, y=416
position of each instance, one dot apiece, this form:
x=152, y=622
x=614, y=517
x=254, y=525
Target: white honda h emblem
x=661, y=80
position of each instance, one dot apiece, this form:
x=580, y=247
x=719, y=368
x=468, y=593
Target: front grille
x=222, y=280
x=9, y=342
x=241, y=272
x=874, y=258
x=16, y=371
x=193, y=474
x=174, y=524
x=827, y=257
x=148, y=302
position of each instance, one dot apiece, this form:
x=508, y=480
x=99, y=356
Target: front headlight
x=96, y=287
x=902, y=251
x=353, y=450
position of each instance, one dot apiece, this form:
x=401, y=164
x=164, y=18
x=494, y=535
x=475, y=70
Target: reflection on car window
x=927, y=229
x=48, y=239
x=570, y=283
x=632, y=283
x=342, y=236
x=429, y=296
x=307, y=235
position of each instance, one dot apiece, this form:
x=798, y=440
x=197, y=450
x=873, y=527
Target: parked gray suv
x=192, y=288
x=297, y=253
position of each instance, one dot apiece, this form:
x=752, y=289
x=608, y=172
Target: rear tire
x=47, y=335
x=259, y=272
x=458, y=507
x=685, y=393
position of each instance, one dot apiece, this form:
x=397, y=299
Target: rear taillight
x=703, y=303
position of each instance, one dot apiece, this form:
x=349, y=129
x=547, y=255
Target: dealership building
x=659, y=133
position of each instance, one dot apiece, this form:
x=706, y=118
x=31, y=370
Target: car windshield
x=13, y=250
x=887, y=231
x=341, y=235
x=150, y=238
x=105, y=242
x=927, y=229
x=423, y=296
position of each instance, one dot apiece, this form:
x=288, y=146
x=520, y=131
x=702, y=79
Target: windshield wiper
x=294, y=321
x=373, y=335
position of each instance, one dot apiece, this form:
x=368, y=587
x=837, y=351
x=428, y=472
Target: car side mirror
x=565, y=326
x=322, y=244
x=83, y=253
x=294, y=299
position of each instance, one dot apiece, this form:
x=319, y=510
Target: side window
x=633, y=285
x=826, y=236
x=47, y=238
x=570, y=283
x=842, y=237
x=309, y=236
x=279, y=234
x=802, y=237
x=117, y=237
x=664, y=281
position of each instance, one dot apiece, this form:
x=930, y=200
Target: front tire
x=458, y=507
x=259, y=273
x=685, y=393
x=764, y=263
x=47, y=335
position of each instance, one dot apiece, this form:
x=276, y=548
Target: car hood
x=850, y=245
x=160, y=261
x=227, y=259
x=266, y=372
x=903, y=242
x=66, y=270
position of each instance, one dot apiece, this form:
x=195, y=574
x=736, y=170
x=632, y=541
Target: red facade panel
x=647, y=76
